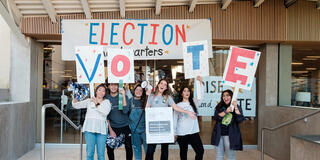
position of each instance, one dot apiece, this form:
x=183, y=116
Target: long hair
x=190, y=98
x=103, y=86
x=221, y=103
x=166, y=92
x=143, y=98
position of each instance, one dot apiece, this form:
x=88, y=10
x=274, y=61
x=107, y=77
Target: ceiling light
x=313, y=56
x=299, y=72
x=296, y=63
x=309, y=59
x=311, y=69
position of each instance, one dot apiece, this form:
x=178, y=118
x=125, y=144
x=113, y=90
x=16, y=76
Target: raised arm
x=80, y=104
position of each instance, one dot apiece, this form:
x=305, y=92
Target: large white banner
x=120, y=65
x=195, y=59
x=213, y=88
x=159, y=125
x=150, y=39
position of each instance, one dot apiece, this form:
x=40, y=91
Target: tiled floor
x=72, y=153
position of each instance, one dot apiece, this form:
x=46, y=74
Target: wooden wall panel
x=271, y=22
x=303, y=22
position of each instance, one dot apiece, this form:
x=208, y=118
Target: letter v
x=94, y=68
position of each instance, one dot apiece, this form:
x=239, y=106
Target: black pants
x=127, y=142
x=152, y=148
x=195, y=141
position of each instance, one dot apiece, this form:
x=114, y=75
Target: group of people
x=104, y=118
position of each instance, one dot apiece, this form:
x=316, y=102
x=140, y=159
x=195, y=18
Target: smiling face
x=113, y=88
x=100, y=92
x=138, y=92
x=226, y=98
x=162, y=86
x=186, y=93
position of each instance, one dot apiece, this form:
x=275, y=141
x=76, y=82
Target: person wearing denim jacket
x=137, y=121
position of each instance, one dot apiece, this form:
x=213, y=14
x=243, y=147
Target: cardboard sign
x=240, y=68
x=150, y=39
x=212, y=93
x=159, y=125
x=120, y=65
x=89, y=64
x=195, y=59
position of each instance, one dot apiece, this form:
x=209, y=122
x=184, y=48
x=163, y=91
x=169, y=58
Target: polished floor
x=73, y=153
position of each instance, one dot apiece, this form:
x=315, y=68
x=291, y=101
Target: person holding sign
x=95, y=125
x=119, y=120
x=226, y=135
x=137, y=121
x=186, y=128
x=162, y=98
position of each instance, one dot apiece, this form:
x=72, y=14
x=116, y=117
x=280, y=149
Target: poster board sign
x=150, y=39
x=241, y=67
x=159, y=125
x=89, y=64
x=212, y=93
x=195, y=59
x=120, y=65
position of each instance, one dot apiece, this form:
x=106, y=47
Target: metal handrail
x=43, y=117
x=280, y=126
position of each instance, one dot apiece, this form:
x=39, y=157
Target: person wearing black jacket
x=226, y=135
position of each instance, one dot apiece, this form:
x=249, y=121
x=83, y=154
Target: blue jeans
x=137, y=140
x=93, y=139
x=224, y=146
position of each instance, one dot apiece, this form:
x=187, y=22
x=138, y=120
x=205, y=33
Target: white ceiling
x=24, y=8
x=36, y=7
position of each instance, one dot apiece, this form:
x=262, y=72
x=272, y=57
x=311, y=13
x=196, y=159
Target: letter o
x=114, y=65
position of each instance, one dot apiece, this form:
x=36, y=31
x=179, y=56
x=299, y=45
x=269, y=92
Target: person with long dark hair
x=187, y=129
x=137, y=121
x=95, y=124
x=161, y=98
x=226, y=135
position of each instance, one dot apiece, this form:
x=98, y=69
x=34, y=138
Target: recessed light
x=309, y=59
x=299, y=72
x=297, y=63
x=311, y=69
x=313, y=56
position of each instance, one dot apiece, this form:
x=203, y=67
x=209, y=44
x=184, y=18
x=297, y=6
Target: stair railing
x=43, y=118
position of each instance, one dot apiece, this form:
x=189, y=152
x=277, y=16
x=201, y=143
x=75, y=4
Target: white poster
x=195, y=59
x=241, y=67
x=213, y=88
x=120, y=65
x=89, y=64
x=150, y=39
x=159, y=125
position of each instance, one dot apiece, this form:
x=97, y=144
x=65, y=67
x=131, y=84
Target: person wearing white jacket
x=95, y=124
x=186, y=128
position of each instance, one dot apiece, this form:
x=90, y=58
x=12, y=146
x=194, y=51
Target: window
x=305, y=83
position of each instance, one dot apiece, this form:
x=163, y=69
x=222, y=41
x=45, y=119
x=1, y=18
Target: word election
x=102, y=34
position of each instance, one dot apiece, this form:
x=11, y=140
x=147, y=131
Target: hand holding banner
x=240, y=69
x=90, y=65
x=196, y=53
